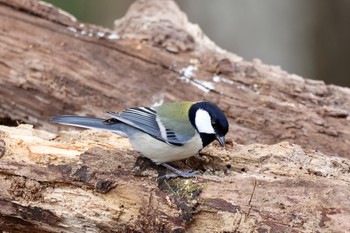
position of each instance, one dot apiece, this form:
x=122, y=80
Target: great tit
x=165, y=133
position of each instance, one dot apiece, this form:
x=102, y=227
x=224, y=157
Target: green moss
x=183, y=188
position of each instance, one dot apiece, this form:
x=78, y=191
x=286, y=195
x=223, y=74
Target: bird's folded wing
x=145, y=119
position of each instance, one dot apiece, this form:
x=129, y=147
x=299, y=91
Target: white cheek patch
x=203, y=122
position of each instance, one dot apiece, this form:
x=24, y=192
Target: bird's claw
x=184, y=174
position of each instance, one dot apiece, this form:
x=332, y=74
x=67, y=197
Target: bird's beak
x=221, y=140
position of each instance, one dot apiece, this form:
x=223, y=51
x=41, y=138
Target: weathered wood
x=52, y=64
x=87, y=182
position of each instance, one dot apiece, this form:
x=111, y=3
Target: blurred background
x=308, y=38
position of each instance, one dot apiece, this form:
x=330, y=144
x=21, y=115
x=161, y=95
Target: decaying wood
x=52, y=64
x=88, y=182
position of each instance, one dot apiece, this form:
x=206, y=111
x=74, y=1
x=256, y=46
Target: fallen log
x=88, y=181
x=51, y=64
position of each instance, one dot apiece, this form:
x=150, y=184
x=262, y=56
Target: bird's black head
x=209, y=121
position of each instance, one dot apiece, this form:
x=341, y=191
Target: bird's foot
x=184, y=174
x=178, y=173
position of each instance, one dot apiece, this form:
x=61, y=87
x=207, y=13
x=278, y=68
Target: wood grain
x=51, y=64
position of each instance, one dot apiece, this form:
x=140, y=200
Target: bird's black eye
x=213, y=123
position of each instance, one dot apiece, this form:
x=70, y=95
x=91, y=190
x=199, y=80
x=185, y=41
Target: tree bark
x=52, y=64
x=87, y=182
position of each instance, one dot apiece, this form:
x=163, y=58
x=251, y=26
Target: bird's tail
x=89, y=123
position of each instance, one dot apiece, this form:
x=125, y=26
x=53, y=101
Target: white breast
x=161, y=152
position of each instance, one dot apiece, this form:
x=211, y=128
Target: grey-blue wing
x=126, y=123
x=93, y=123
x=145, y=119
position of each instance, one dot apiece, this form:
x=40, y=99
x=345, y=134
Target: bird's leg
x=177, y=172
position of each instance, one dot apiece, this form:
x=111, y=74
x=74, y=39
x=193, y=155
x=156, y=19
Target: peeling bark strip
x=29, y=214
x=154, y=44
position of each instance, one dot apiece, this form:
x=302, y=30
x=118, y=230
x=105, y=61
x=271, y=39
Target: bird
x=165, y=133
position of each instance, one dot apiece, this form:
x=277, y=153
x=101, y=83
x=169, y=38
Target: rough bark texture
x=51, y=64
x=87, y=182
